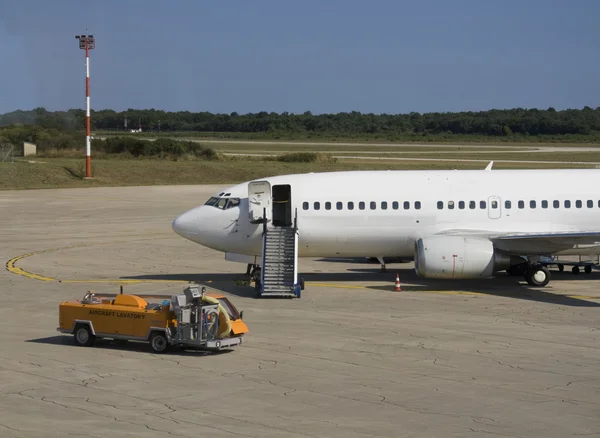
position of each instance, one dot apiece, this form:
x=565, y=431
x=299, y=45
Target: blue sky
x=321, y=56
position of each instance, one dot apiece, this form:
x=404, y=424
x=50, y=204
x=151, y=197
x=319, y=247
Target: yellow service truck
x=194, y=319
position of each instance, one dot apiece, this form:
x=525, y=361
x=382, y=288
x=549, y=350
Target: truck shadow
x=130, y=346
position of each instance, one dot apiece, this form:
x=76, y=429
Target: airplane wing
x=532, y=243
x=545, y=243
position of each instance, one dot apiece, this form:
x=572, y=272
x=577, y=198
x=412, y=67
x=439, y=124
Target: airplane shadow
x=502, y=285
x=136, y=346
x=362, y=260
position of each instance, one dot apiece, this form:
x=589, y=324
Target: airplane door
x=494, y=207
x=259, y=199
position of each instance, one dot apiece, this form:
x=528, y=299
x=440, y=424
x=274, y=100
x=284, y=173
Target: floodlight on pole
x=87, y=43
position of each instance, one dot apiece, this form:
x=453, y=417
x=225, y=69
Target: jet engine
x=457, y=257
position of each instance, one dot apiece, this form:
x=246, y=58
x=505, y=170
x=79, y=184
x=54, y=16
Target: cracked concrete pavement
x=350, y=358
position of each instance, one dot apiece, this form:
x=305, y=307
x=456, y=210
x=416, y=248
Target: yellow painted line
x=126, y=281
x=11, y=267
x=345, y=286
x=339, y=286
x=582, y=297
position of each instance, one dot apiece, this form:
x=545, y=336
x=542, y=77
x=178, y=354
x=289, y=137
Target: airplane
x=454, y=224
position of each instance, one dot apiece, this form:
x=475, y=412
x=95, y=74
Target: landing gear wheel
x=83, y=335
x=159, y=343
x=575, y=270
x=538, y=276
x=588, y=269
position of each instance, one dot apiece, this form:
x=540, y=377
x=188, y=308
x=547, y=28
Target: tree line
x=494, y=123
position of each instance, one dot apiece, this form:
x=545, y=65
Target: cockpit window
x=223, y=203
x=233, y=202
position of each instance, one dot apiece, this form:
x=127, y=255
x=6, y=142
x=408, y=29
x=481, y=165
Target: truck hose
x=224, y=320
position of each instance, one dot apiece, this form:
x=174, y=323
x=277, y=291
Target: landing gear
x=250, y=269
x=537, y=275
x=382, y=261
x=256, y=278
x=518, y=270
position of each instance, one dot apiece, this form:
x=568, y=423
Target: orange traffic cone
x=397, y=287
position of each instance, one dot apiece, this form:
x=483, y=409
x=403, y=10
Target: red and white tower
x=87, y=42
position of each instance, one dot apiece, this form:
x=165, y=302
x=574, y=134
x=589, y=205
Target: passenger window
x=395, y=205
x=556, y=204
x=373, y=205
x=531, y=204
x=521, y=204
x=451, y=205
x=544, y=204
x=406, y=205
x=440, y=205
x=384, y=205
x=482, y=204
x=339, y=205
x=350, y=205
x=472, y=205
x=361, y=205
x=328, y=205
x=305, y=205
x=417, y=205
x=567, y=204
x=494, y=204
x=461, y=205
x=590, y=203
x=578, y=204
x=507, y=205
x=317, y=205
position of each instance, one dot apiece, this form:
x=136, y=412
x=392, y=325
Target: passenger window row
x=555, y=204
x=450, y=205
x=362, y=205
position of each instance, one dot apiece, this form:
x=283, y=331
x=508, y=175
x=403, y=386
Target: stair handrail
x=296, y=219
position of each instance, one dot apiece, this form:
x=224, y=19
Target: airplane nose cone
x=186, y=224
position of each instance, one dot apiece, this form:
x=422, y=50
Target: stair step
x=279, y=252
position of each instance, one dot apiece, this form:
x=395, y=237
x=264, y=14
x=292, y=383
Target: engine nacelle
x=456, y=257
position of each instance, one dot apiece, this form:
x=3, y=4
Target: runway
x=509, y=147
x=351, y=358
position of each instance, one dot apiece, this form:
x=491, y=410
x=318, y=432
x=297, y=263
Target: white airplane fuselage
x=403, y=206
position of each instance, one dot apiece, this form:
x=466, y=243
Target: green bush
x=306, y=157
x=161, y=148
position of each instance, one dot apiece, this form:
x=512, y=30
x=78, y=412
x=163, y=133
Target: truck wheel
x=159, y=343
x=83, y=335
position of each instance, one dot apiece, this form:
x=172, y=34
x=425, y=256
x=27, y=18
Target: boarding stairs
x=279, y=271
